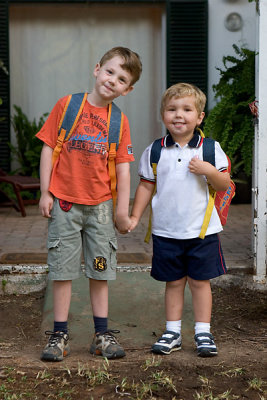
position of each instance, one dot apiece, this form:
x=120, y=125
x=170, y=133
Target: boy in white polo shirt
x=179, y=206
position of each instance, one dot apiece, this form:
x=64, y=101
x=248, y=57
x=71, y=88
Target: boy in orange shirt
x=76, y=197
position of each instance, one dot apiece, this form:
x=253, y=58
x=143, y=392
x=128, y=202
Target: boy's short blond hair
x=132, y=62
x=182, y=90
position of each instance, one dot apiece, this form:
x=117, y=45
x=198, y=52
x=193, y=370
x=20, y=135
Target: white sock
x=174, y=326
x=201, y=327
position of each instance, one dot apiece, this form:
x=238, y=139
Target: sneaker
x=168, y=342
x=106, y=345
x=57, y=347
x=206, y=346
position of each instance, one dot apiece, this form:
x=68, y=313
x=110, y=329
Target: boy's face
x=181, y=118
x=111, y=80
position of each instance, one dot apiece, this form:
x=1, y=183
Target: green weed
x=95, y=377
x=163, y=380
x=151, y=362
x=209, y=396
x=256, y=384
x=233, y=372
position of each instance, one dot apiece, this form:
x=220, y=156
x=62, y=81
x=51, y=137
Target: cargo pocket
x=113, y=249
x=54, y=253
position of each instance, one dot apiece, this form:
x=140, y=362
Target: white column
x=260, y=164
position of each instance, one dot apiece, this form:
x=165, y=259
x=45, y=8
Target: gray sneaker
x=57, y=347
x=106, y=345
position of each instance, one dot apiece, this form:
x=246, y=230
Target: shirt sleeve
x=145, y=170
x=125, y=148
x=49, y=131
x=221, y=161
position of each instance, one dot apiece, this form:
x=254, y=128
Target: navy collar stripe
x=196, y=140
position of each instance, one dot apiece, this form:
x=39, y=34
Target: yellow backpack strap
x=149, y=228
x=68, y=121
x=209, y=209
x=154, y=159
x=115, y=124
x=208, y=155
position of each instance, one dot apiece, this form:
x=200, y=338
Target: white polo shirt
x=180, y=202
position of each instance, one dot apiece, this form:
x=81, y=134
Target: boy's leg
x=58, y=347
x=202, y=299
x=104, y=342
x=61, y=300
x=174, y=299
x=202, y=305
x=99, y=297
x=64, y=260
x=174, y=302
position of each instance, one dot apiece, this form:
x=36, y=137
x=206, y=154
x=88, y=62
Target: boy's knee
x=180, y=283
x=197, y=284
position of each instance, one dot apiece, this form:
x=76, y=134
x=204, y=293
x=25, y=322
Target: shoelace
x=54, y=337
x=110, y=337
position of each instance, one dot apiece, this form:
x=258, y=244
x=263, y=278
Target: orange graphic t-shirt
x=80, y=174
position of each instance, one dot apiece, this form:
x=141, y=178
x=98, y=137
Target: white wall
x=221, y=40
x=54, y=48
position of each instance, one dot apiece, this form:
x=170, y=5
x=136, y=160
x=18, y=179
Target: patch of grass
x=209, y=396
x=146, y=390
x=256, y=384
x=163, y=380
x=44, y=375
x=232, y=372
x=95, y=377
x=151, y=362
x=65, y=394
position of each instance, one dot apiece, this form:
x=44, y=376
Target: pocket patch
x=65, y=205
x=100, y=264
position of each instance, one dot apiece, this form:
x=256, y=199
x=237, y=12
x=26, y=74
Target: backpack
x=221, y=199
x=68, y=122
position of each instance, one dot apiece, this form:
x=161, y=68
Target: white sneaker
x=168, y=342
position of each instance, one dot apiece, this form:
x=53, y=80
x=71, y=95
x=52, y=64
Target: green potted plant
x=28, y=148
x=231, y=122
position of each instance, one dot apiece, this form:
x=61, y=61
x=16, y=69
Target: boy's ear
x=128, y=90
x=200, y=118
x=96, y=70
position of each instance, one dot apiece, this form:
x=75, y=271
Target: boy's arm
x=122, y=220
x=142, y=197
x=46, y=200
x=218, y=180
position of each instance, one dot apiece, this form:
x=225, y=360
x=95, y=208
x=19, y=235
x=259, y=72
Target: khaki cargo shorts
x=87, y=229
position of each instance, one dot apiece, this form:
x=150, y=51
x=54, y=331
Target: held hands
x=46, y=204
x=125, y=224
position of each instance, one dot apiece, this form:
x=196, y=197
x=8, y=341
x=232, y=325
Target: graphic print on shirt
x=90, y=136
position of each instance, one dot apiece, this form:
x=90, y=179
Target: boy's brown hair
x=132, y=62
x=182, y=90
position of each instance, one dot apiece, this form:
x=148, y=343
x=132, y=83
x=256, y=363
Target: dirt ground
x=238, y=372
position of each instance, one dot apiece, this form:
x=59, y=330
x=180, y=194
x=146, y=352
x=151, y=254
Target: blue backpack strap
x=72, y=113
x=156, y=151
x=69, y=118
x=209, y=150
x=115, y=122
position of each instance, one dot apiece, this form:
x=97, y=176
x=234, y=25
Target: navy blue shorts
x=200, y=259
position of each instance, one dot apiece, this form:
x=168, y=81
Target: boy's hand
x=123, y=223
x=46, y=204
x=134, y=223
x=199, y=167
